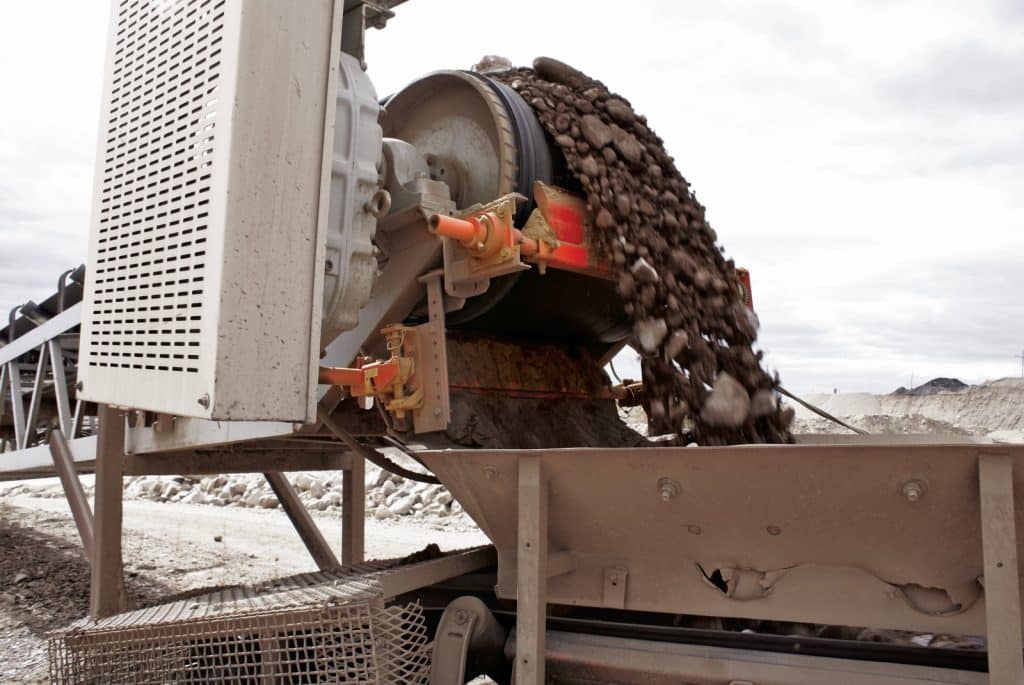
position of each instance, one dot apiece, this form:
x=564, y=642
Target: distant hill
x=935, y=385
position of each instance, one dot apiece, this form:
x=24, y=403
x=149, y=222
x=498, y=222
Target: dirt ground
x=169, y=549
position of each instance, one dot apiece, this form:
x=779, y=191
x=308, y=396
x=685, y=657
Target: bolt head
x=668, y=488
x=913, y=490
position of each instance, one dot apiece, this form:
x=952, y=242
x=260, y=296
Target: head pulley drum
x=480, y=137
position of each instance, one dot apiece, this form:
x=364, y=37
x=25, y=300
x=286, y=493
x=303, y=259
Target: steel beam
x=3, y=386
x=353, y=512
x=1002, y=584
x=60, y=387
x=532, y=574
x=64, y=462
x=17, y=403
x=303, y=522
x=37, y=397
x=254, y=459
x=63, y=322
x=106, y=593
x=397, y=581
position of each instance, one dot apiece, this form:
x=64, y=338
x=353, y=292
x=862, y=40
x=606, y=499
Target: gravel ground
x=168, y=550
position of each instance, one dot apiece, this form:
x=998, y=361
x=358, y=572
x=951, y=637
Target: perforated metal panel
x=207, y=246
x=148, y=275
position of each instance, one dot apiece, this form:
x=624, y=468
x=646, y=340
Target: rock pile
x=387, y=496
x=701, y=376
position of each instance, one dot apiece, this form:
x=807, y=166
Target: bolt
x=204, y=401
x=668, y=488
x=913, y=490
x=490, y=472
x=437, y=411
x=774, y=530
x=694, y=530
x=461, y=617
x=79, y=386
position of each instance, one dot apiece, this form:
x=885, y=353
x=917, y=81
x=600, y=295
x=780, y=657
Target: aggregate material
x=694, y=333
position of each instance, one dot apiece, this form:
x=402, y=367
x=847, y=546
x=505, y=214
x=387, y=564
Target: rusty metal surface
x=870, y=535
x=575, y=659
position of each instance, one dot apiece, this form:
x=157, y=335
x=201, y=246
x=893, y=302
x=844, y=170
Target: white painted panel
x=207, y=245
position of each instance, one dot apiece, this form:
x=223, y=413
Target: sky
x=864, y=159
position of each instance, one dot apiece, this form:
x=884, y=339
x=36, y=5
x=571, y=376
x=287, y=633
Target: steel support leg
x=106, y=593
x=1002, y=584
x=531, y=572
x=303, y=522
x=64, y=462
x=353, y=512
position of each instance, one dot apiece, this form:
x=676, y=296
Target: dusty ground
x=168, y=549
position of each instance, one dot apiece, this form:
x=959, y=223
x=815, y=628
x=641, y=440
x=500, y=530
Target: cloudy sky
x=863, y=158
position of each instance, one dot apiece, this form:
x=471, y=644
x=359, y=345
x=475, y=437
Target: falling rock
x=762, y=403
x=303, y=481
x=619, y=111
x=702, y=279
x=623, y=204
x=595, y=131
x=268, y=502
x=171, y=490
x=590, y=167
x=627, y=145
x=728, y=405
x=238, y=488
x=382, y=512
x=389, y=487
x=644, y=272
x=560, y=72
x=253, y=498
x=318, y=505
x=677, y=342
x=786, y=416
x=565, y=141
x=605, y=220
x=443, y=497
x=650, y=333
x=316, y=489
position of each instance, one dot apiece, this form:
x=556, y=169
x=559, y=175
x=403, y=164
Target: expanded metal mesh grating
x=155, y=185
x=316, y=628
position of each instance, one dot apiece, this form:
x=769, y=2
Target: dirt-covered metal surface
x=703, y=379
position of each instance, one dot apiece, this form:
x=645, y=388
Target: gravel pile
x=702, y=378
x=387, y=496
